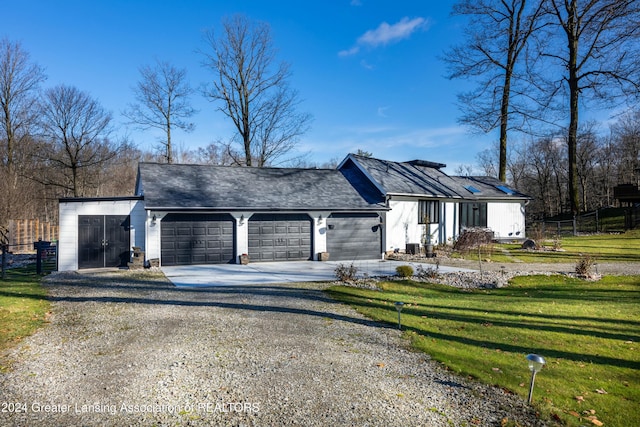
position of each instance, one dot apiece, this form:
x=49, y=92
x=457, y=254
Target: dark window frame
x=473, y=214
x=430, y=208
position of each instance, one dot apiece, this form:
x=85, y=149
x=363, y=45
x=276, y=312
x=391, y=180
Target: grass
x=587, y=331
x=604, y=247
x=23, y=306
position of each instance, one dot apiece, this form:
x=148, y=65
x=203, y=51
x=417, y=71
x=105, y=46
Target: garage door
x=354, y=237
x=197, y=239
x=279, y=237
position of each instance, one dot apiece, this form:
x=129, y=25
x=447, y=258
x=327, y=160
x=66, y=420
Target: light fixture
x=241, y=219
x=535, y=365
x=320, y=219
x=153, y=219
x=399, y=305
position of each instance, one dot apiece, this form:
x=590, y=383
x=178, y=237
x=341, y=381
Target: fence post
x=575, y=231
x=4, y=261
x=4, y=243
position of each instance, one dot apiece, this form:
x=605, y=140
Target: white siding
x=69, y=212
x=506, y=219
x=449, y=222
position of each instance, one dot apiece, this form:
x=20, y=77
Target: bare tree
x=253, y=91
x=626, y=135
x=496, y=38
x=162, y=96
x=593, y=47
x=75, y=128
x=19, y=82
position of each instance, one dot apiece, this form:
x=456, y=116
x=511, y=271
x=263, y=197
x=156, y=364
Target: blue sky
x=367, y=70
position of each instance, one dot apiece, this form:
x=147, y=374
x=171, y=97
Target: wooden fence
x=23, y=232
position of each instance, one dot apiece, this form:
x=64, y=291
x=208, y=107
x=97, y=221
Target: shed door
x=103, y=241
x=354, y=237
x=197, y=239
x=280, y=237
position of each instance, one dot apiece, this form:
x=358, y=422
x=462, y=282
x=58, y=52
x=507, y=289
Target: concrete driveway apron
x=279, y=272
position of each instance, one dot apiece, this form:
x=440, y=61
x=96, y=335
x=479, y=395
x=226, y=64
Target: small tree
x=162, y=96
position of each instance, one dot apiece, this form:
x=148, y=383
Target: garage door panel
x=279, y=237
x=354, y=236
x=197, y=239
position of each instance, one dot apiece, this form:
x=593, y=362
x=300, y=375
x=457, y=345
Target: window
x=473, y=215
x=472, y=189
x=429, y=210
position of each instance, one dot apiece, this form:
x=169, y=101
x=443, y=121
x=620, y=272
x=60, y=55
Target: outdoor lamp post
x=535, y=365
x=399, y=306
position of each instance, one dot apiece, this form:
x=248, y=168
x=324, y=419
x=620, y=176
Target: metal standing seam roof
x=180, y=186
x=422, y=178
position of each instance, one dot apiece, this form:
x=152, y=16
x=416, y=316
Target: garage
x=197, y=239
x=280, y=237
x=354, y=236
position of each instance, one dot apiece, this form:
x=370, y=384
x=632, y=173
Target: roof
x=179, y=186
x=425, y=179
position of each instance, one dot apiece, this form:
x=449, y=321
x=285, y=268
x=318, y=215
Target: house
x=425, y=204
x=203, y=214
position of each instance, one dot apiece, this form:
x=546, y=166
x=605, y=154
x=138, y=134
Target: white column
x=242, y=233
x=319, y=233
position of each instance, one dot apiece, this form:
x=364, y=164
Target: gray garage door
x=279, y=237
x=197, y=239
x=354, y=237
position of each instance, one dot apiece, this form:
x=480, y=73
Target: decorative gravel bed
x=127, y=348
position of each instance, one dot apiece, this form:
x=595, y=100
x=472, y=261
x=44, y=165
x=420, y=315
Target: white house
x=203, y=214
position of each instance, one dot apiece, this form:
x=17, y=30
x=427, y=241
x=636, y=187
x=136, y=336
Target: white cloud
x=386, y=34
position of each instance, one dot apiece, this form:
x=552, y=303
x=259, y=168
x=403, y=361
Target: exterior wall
x=449, y=222
x=401, y=224
x=69, y=212
x=506, y=219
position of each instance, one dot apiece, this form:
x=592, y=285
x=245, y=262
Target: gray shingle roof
x=174, y=186
x=425, y=179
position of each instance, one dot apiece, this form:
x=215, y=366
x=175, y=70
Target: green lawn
x=624, y=247
x=589, y=333
x=23, y=306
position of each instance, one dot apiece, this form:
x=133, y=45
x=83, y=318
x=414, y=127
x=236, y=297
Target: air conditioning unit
x=413, y=248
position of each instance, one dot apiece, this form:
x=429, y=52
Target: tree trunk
x=504, y=119
x=169, y=149
x=574, y=94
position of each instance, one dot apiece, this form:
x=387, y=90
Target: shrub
x=429, y=272
x=346, y=273
x=584, y=266
x=472, y=238
x=404, y=271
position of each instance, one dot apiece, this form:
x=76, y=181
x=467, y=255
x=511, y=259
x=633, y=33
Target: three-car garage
x=188, y=239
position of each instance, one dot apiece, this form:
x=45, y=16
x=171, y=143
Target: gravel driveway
x=127, y=348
